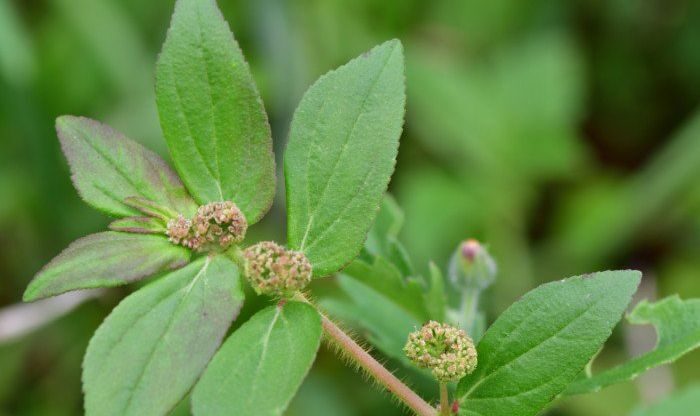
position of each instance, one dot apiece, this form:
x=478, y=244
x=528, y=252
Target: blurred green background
x=565, y=135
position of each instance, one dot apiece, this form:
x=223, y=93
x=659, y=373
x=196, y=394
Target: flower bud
x=472, y=266
x=216, y=225
x=447, y=351
x=276, y=271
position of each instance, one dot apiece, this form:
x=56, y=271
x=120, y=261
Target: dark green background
x=562, y=133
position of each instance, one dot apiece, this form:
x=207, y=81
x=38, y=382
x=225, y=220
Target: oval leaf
x=152, y=348
x=677, y=324
x=261, y=366
x=341, y=153
x=211, y=113
x=104, y=260
x=543, y=341
x=107, y=168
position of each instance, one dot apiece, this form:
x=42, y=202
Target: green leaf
x=682, y=403
x=211, y=113
x=384, y=323
x=677, y=324
x=386, y=279
x=398, y=255
x=152, y=348
x=435, y=297
x=106, y=259
x=387, y=225
x=341, y=153
x=543, y=341
x=261, y=366
x=107, y=168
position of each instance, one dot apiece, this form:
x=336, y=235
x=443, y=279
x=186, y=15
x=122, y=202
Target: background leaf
x=17, y=55
x=682, y=403
x=380, y=320
x=540, y=343
x=384, y=301
x=386, y=226
x=148, y=353
x=341, y=154
x=385, y=278
x=107, y=167
x=211, y=113
x=260, y=367
x=106, y=259
x=677, y=325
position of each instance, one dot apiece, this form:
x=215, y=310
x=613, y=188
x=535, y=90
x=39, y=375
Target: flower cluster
x=447, y=351
x=216, y=225
x=276, y=271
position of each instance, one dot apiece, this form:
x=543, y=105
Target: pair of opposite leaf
x=154, y=346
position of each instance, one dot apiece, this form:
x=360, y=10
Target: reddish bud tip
x=470, y=249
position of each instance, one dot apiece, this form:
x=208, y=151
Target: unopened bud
x=276, y=271
x=447, y=351
x=216, y=225
x=472, y=266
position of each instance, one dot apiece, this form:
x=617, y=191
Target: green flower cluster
x=216, y=225
x=447, y=351
x=276, y=271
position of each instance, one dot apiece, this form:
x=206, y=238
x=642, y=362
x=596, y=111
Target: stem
x=444, y=400
x=385, y=378
x=468, y=309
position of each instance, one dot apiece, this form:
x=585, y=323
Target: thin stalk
x=376, y=370
x=444, y=400
x=469, y=308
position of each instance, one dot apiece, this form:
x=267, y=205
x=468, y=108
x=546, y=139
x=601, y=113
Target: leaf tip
x=31, y=293
x=635, y=276
x=63, y=119
x=395, y=43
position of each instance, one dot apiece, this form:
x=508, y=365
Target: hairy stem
x=383, y=376
x=444, y=400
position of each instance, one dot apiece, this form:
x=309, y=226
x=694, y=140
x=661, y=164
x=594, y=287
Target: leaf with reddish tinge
x=106, y=259
x=140, y=225
x=108, y=167
x=152, y=348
